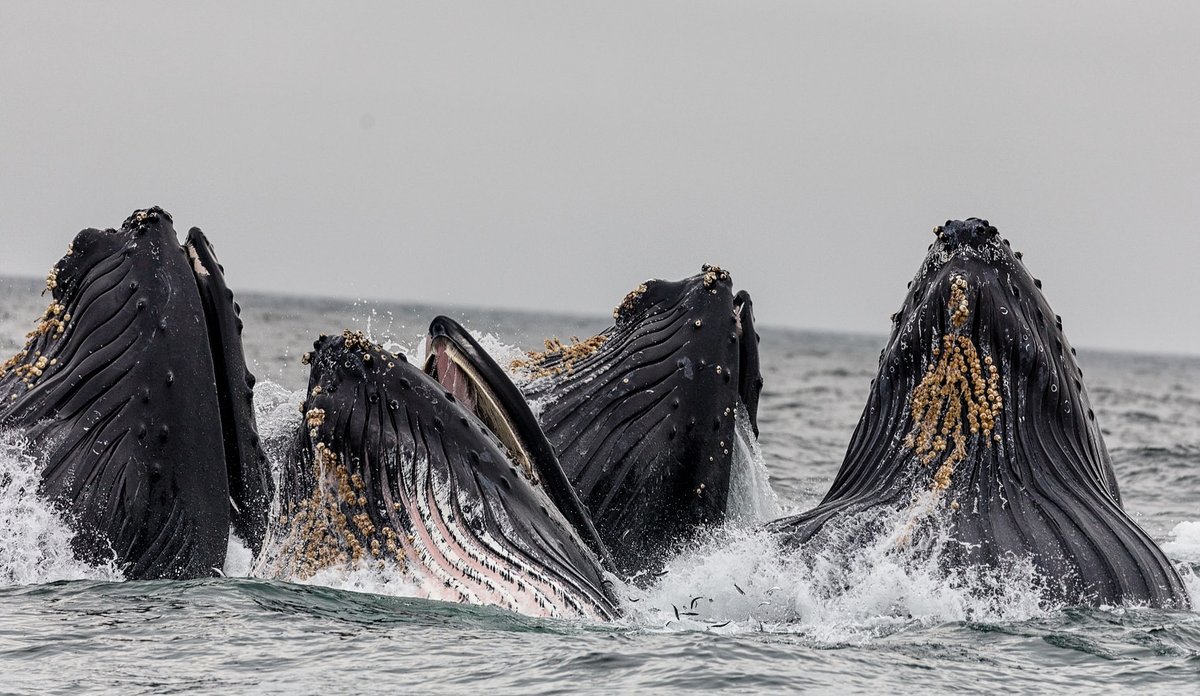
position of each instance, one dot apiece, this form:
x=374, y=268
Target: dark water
x=762, y=623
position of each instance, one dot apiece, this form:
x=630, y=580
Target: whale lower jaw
x=456, y=563
x=434, y=537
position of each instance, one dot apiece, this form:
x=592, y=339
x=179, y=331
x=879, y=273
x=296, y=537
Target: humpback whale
x=134, y=392
x=978, y=425
x=642, y=416
x=395, y=466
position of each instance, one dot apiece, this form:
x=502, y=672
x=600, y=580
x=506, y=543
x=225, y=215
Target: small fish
x=740, y=590
x=676, y=611
x=721, y=625
x=689, y=613
x=694, y=600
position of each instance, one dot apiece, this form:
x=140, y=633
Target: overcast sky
x=554, y=154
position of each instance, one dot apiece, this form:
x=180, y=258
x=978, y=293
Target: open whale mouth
x=455, y=365
x=393, y=464
x=463, y=368
x=750, y=381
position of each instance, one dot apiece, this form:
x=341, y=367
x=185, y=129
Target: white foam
x=277, y=412
x=1191, y=581
x=840, y=592
x=390, y=579
x=238, y=558
x=35, y=541
x=503, y=353
x=1184, y=544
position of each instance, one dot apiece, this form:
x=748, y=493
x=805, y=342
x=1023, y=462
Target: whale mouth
x=750, y=381
x=464, y=369
x=392, y=464
x=450, y=365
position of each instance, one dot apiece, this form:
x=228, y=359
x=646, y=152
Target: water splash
x=391, y=579
x=842, y=591
x=35, y=540
x=277, y=412
x=1191, y=582
x=238, y=558
x=751, y=498
x=1184, y=542
x=503, y=353
x=1183, y=545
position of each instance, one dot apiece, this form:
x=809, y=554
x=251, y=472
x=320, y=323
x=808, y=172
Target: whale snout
x=972, y=232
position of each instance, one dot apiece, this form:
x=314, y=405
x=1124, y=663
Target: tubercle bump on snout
x=643, y=299
x=350, y=350
x=974, y=231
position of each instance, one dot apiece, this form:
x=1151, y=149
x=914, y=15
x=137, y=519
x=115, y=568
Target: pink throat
x=450, y=375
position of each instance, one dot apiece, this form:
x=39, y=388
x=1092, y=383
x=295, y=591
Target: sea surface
x=733, y=614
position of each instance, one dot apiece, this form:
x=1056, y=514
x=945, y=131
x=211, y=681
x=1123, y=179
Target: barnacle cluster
x=52, y=323
x=630, y=300
x=567, y=354
x=959, y=388
x=314, y=417
x=352, y=340
x=357, y=340
x=712, y=274
x=28, y=372
x=958, y=302
x=29, y=364
x=331, y=526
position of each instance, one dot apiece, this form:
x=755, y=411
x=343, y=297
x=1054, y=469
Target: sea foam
x=35, y=540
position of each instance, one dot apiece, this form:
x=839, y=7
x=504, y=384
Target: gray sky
x=554, y=154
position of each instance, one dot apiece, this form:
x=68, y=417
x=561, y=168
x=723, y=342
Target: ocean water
x=732, y=613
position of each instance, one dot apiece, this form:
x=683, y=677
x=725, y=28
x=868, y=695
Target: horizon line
x=582, y=315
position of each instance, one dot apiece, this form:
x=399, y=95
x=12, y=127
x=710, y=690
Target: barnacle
x=959, y=388
x=567, y=354
x=630, y=300
x=713, y=273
